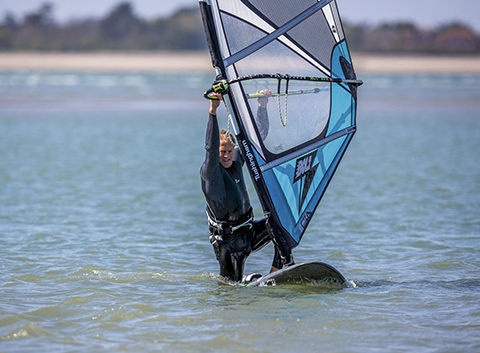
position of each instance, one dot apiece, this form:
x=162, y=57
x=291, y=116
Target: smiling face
x=226, y=153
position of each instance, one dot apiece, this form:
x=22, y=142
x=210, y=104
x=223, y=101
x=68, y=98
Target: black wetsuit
x=228, y=205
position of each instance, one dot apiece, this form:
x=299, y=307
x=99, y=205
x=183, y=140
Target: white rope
x=284, y=122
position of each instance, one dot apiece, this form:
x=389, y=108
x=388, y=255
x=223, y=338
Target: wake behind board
x=302, y=273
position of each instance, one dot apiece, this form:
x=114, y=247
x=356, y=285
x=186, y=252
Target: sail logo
x=306, y=220
x=251, y=159
x=304, y=173
x=303, y=166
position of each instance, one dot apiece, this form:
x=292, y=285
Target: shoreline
x=165, y=62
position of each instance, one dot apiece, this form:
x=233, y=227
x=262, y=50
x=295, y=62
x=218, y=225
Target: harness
x=219, y=229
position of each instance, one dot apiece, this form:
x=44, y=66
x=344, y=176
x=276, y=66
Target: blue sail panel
x=297, y=186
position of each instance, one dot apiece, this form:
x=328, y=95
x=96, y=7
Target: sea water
x=104, y=243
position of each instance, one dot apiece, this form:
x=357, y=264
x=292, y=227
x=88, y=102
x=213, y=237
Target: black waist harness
x=225, y=228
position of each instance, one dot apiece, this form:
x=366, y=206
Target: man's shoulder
x=237, y=167
x=238, y=156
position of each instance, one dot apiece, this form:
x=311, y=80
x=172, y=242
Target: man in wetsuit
x=233, y=232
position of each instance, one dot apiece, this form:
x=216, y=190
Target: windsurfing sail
x=298, y=51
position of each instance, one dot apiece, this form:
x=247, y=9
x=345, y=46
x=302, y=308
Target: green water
x=104, y=244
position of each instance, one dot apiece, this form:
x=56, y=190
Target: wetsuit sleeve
x=212, y=144
x=262, y=122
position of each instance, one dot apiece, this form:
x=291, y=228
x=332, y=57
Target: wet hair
x=227, y=136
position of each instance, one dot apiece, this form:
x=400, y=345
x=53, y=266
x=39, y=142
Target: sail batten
x=294, y=144
x=309, y=148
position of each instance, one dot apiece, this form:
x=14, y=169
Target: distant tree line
x=404, y=37
x=122, y=29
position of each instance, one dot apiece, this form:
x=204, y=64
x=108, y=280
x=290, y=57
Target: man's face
x=226, y=154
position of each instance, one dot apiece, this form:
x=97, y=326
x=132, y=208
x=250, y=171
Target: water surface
x=104, y=243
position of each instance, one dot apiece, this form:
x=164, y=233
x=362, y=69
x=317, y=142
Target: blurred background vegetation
x=121, y=29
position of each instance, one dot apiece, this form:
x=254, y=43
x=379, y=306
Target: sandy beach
x=200, y=62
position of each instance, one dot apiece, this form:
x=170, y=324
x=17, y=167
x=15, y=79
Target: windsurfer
x=233, y=232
